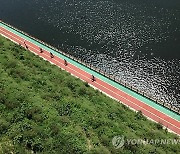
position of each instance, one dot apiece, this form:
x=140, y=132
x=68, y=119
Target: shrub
x=140, y=116
x=3, y=125
x=82, y=91
x=159, y=126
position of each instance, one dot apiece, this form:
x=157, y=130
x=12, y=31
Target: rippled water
x=136, y=41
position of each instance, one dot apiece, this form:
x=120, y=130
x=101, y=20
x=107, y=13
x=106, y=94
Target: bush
x=82, y=91
x=3, y=125
x=140, y=116
x=159, y=126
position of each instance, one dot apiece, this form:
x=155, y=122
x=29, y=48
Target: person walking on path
x=41, y=51
x=65, y=62
x=25, y=45
x=52, y=56
x=93, y=78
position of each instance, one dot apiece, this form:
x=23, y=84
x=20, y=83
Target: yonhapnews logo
x=119, y=141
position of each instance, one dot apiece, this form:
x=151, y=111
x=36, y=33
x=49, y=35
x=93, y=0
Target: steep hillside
x=46, y=110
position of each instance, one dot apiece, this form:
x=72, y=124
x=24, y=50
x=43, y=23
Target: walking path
x=152, y=110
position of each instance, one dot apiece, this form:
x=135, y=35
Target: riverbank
x=45, y=109
x=128, y=97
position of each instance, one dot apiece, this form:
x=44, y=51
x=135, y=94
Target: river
x=135, y=41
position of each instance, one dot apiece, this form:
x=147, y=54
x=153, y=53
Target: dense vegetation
x=46, y=110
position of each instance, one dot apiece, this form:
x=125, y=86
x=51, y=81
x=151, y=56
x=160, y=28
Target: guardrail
x=171, y=107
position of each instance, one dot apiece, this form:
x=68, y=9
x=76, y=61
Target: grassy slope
x=45, y=109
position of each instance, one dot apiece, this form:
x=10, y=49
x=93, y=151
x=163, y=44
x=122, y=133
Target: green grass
x=46, y=110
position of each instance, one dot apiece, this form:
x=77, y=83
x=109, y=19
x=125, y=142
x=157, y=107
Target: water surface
x=137, y=41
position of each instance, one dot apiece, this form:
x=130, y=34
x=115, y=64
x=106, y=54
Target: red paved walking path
x=125, y=98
